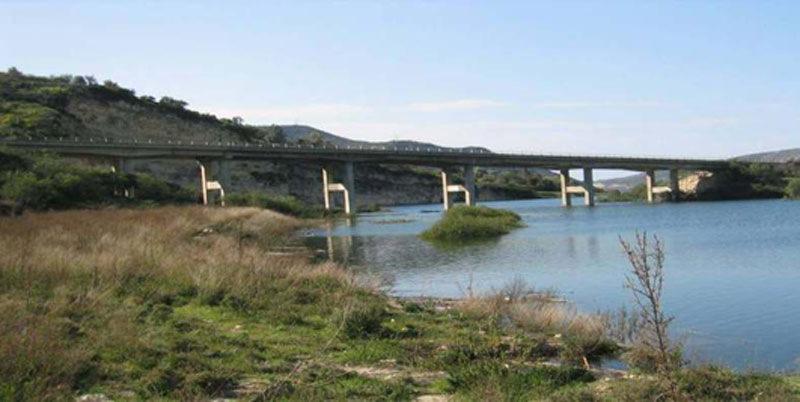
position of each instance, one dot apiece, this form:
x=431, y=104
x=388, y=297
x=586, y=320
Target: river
x=732, y=268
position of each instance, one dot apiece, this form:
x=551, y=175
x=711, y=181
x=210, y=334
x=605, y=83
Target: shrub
x=793, y=188
x=364, y=322
x=472, y=223
x=44, y=182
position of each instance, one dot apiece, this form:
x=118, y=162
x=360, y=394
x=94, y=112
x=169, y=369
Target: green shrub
x=469, y=223
x=495, y=380
x=793, y=188
x=44, y=182
x=365, y=322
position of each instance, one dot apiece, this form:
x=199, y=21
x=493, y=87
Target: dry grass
x=75, y=284
x=584, y=336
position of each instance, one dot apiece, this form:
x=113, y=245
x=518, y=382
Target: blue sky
x=694, y=78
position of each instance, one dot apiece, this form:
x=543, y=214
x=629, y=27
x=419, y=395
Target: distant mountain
x=782, y=156
x=627, y=183
x=295, y=132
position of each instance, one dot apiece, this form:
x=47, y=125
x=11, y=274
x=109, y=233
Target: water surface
x=733, y=268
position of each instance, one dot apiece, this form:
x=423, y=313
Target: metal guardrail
x=420, y=150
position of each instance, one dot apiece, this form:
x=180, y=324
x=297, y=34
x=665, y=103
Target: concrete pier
x=674, y=185
x=566, y=198
x=588, y=186
x=470, y=197
x=347, y=188
x=468, y=188
x=587, y=189
x=211, y=169
x=650, y=182
x=124, y=166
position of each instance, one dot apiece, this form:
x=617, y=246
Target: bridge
x=213, y=159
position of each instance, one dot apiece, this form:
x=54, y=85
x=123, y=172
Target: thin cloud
x=594, y=104
x=455, y=105
x=292, y=113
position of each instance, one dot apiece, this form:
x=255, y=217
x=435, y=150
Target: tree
x=274, y=134
x=314, y=140
x=172, y=102
x=646, y=282
x=793, y=188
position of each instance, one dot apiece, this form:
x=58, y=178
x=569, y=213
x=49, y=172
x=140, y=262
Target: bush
x=364, y=322
x=44, y=182
x=793, y=188
x=471, y=223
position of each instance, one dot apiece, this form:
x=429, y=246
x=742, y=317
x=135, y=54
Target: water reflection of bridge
x=213, y=159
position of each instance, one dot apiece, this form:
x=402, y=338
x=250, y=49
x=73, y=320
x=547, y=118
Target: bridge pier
x=650, y=181
x=348, y=188
x=566, y=198
x=210, y=169
x=674, y=185
x=587, y=189
x=468, y=188
x=125, y=167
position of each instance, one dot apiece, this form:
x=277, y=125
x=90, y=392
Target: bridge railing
x=422, y=150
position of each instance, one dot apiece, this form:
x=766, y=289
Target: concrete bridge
x=213, y=159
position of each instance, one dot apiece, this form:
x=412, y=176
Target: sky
x=663, y=78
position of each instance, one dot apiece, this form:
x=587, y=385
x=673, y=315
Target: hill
x=80, y=106
x=781, y=156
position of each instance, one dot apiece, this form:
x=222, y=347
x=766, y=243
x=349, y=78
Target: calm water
x=733, y=268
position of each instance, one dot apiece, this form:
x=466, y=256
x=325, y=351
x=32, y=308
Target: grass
x=285, y=204
x=472, y=223
x=188, y=303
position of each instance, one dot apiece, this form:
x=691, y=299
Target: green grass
x=462, y=223
x=285, y=204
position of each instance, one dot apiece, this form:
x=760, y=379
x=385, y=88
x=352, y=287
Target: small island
x=472, y=223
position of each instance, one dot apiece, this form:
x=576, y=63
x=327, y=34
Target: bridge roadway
x=216, y=155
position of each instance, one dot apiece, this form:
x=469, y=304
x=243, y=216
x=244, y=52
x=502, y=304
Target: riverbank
x=194, y=303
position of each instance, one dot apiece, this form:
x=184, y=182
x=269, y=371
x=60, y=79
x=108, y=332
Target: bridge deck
x=427, y=156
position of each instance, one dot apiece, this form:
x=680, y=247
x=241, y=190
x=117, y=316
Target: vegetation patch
x=472, y=223
x=285, y=204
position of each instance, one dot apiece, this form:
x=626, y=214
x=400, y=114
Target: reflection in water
x=732, y=267
x=593, y=249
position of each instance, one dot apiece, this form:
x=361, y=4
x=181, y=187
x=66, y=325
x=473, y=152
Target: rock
x=93, y=398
